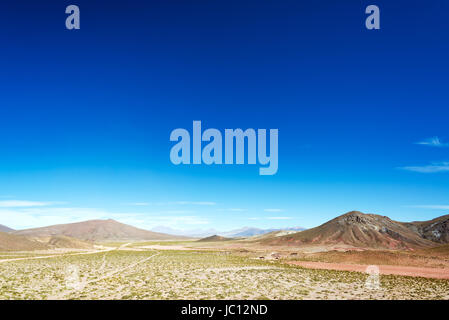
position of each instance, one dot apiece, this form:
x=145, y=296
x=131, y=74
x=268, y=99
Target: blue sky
x=86, y=114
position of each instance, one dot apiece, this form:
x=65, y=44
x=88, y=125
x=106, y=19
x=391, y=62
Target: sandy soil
x=434, y=273
x=185, y=274
x=110, y=274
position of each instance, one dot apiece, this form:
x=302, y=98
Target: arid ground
x=224, y=270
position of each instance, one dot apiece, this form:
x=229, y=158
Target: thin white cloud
x=32, y=217
x=175, y=203
x=139, y=204
x=150, y=221
x=272, y=210
x=196, y=203
x=431, y=206
x=21, y=218
x=433, y=142
x=279, y=218
x=25, y=203
x=177, y=212
x=432, y=168
x=233, y=210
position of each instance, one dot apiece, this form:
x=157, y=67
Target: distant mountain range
x=195, y=233
x=370, y=231
x=201, y=233
x=354, y=228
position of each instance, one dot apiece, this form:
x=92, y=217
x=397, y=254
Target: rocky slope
x=359, y=230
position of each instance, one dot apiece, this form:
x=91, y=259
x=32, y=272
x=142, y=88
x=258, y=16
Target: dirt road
x=66, y=254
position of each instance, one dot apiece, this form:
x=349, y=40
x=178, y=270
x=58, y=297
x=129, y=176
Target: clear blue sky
x=86, y=115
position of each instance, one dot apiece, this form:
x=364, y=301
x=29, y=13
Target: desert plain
x=276, y=266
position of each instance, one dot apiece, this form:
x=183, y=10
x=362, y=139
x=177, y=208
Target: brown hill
x=60, y=241
x=436, y=230
x=5, y=228
x=10, y=242
x=214, y=238
x=359, y=230
x=96, y=230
